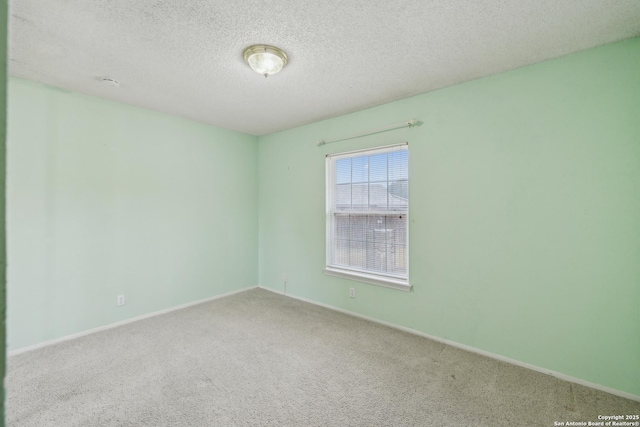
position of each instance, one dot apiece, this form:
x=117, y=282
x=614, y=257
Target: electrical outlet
x=284, y=277
x=121, y=300
x=352, y=292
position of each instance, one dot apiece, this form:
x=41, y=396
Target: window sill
x=387, y=282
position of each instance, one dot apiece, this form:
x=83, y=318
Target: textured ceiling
x=184, y=57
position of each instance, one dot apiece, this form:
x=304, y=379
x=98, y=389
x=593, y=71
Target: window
x=367, y=209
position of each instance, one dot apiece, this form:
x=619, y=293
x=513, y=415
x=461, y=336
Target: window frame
x=400, y=282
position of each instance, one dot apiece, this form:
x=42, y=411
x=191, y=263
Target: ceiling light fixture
x=264, y=59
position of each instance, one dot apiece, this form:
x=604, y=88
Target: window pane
x=378, y=256
x=358, y=254
x=360, y=169
x=378, y=167
x=373, y=263
x=343, y=196
x=397, y=263
x=398, y=165
x=378, y=195
x=343, y=171
x=360, y=196
x=398, y=225
x=375, y=221
x=358, y=227
x=374, y=224
x=371, y=242
x=398, y=194
x=341, y=252
x=342, y=228
x=399, y=189
x=396, y=259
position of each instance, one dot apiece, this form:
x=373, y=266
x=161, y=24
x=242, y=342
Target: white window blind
x=367, y=209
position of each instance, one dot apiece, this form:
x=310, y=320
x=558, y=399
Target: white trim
x=380, y=280
x=558, y=375
x=121, y=323
x=329, y=232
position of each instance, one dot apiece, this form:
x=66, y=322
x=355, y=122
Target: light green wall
x=3, y=254
x=107, y=199
x=524, y=213
x=524, y=217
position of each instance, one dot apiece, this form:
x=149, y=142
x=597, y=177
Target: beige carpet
x=262, y=359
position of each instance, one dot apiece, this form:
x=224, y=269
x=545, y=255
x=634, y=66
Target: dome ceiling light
x=265, y=59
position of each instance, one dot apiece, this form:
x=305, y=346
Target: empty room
x=281, y=213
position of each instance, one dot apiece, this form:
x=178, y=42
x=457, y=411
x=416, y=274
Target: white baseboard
x=558, y=375
x=122, y=322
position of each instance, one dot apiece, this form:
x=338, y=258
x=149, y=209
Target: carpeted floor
x=262, y=359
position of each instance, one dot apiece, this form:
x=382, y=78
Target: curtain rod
x=408, y=123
